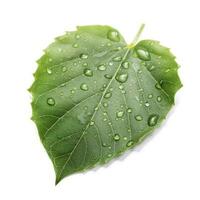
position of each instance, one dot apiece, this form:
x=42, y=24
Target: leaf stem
x=137, y=36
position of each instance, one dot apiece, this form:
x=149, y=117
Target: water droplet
x=102, y=67
x=104, y=144
x=75, y=45
x=49, y=71
x=105, y=104
x=117, y=59
x=159, y=98
x=105, y=119
x=78, y=36
x=64, y=69
x=85, y=64
x=158, y=86
x=125, y=65
x=129, y=110
x=150, y=96
x=110, y=63
x=84, y=56
x=143, y=54
x=147, y=104
x=121, y=87
x=153, y=119
x=122, y=78
x=108, y=95
x=138, y=117
x=91, y=123
x=51, y=101
x=125, y=138
x=130, y=143
x=116, y=137
x=113, y=36
x=72, y=91
x=109, y=155
x=88, y=72
x=84, y=87
x=107, y=76
x=120, y=114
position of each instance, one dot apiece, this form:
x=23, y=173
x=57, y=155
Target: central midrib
x=95, y=111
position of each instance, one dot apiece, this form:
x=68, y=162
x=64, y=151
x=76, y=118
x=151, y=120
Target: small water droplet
x=158, y=86
x=108, y=95
x=116, y=137
x=117, y=59
x=153, y=119
x=113, y=36
x=84, y=56
x=122, y=78
x=109, y=155
x=130, y=143
x=102, y=67
x=49, y=71
x=105, y=104
x=107, y=76
x=150, y=96
x=147, y=104
x=64, y=69
x=110, y=63
x=51, y=101
x=91, y=123
x=121, y=87
x=105, y=119
x=159, y=98
x=75, y=45
x=138, y=117
x=84, y=87
x=96, y=108
x=85, y=64
x=125, y=138
x=129, y=110
x=88, y=72
x=143, y=54
x=120, y=114
x=78, y=36
x=125, y=65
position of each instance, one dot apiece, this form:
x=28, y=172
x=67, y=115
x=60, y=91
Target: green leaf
x=94, y=96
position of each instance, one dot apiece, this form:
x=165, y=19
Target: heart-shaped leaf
x=94, y=96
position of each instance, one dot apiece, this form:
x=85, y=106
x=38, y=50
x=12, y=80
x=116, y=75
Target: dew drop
x=125, y=138
x=85, y=64
x=150, y=96
x=75, y=45
x=102, y=67
x=49, y=71
x=109, y=155
x=120, y=114
x=107, y=76
x=51, y=101
x=72, y=91
x=157, y=85
x=159, y=98
x=153, y=119
x=130, y=143
x=117, y=59
x=84, y=56
x=110, y=63
x=84, y=87
x=88, y=72
x=125, y=65
x=105, y=104
x=116, y=137
x=108, y=95
x=129, y=110
x=147, y=104
x=138, y=117
x=64, y=69
x=143, y=54
x=91, y=123
x=122, y=78
x=113, y=36
x=121, y=87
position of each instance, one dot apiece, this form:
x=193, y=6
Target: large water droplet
x=51, y=101
x=143, y=54
x=153, y=119
x=84, y=87
x=117, y=59
x=88, y=72
x=120, y=114
x=116, y=137
x=113, y=36
x=84, y=56
x=130, y=143
x=102, y=67
x=108, y=95
x=125, y=65
x=122, y=78
x=138, y=117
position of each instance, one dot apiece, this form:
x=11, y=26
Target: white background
x=166, y=166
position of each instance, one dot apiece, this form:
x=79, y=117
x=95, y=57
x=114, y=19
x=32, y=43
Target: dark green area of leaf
x=94, y=96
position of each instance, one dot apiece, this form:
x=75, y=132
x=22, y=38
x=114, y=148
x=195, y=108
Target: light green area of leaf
x=94, y=96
